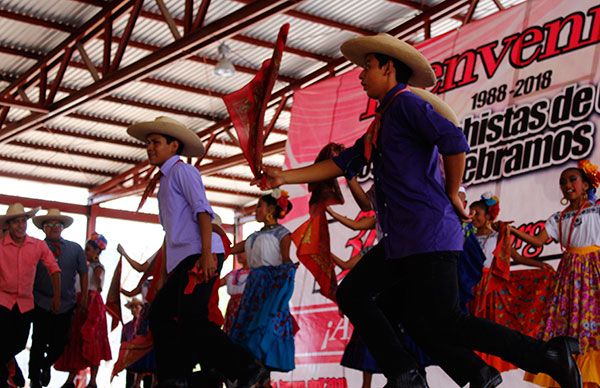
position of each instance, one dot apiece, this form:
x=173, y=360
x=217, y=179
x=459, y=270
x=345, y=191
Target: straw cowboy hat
x=132, y=302
x=17, y=210
x=356, y=50
x=192, y=145
x=439, y=105
x=53, y=214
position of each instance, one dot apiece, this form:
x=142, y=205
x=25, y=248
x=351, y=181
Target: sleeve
x=48, y=259
x=352, y=159
x=189, y=180
x=280, y=233
x=81, y=261
x=433, y=127
x=552, y=227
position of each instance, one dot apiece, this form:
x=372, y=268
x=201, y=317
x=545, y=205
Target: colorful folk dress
x=515, y=299
x=264, y=324
x=88, y=339
x=573, y=308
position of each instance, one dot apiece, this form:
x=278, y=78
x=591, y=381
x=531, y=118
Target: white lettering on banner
x=530, y=137
x=340, y=328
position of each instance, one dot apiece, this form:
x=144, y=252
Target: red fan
x=247, y=106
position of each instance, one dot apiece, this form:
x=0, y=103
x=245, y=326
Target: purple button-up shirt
x=181, y=197
x=413, y=209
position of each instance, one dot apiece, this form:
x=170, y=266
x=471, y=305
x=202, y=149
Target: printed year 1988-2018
x=523, y=87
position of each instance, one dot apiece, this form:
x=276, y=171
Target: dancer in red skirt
x=88, y=341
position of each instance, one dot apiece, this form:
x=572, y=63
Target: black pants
x=426, y=290
x=14, y=330
x=183, y=335
x=50, y=336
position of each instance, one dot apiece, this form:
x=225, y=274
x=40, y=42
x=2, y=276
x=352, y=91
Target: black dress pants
x=425, y=288
x=49, y=338
x=14, y=330
x=183, y=334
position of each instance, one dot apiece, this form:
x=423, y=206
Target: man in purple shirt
x=183, y=334
x=419, y=214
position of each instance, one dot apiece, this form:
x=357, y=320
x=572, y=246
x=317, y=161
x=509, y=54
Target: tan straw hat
x=17, y=210
x=356, y=50
x=132, y=302
x=439, y=105
x=53, y=214
x=192, y=145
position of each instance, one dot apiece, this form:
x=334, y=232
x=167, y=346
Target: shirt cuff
x=203, y=207
x=349, y=162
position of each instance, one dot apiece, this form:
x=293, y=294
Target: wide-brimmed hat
x=439, y=105
x=356, y=49
x=53, y=214
x=132, y=302
x=17, y=210
x=192, y=145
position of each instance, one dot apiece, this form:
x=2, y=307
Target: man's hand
x=56, y=304
x=120, y=249
x=457, y=203
x=272, y=178
x=207, y=264
x=83, y=303
x=547, y=267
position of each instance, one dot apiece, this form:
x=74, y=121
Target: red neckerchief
x=372, y=133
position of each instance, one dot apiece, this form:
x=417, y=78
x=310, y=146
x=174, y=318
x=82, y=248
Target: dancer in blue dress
x=264, y=324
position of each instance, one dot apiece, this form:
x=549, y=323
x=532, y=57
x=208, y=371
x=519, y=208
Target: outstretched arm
x=139, y=267
x=536, y=241
x=317, y=172
x=346, y=264
x=359, y=195
x=238, y=247
x=364, y=223
x=518, y=258
x=284, y=245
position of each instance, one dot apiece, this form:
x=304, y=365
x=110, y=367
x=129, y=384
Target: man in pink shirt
x=19, y=256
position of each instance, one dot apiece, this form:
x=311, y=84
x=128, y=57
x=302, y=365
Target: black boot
x=488, y=377
x=559, y=363
x=410, y=379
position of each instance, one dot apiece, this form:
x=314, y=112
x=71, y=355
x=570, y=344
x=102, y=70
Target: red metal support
x=188, y=16
x=201, y=15
x=60, y=74
x=470, y=12
x=43, y=85
x=19, y=104
x=499, y=5
x=3, y=114
x=275, y=117
x=107, y=37
x=135, y=12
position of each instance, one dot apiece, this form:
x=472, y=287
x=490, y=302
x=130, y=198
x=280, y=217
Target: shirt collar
x=60, y=240
x=9, y=241
x=168, y=164
x=391, y=94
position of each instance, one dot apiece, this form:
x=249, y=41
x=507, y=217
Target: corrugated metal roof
x=96, y=132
